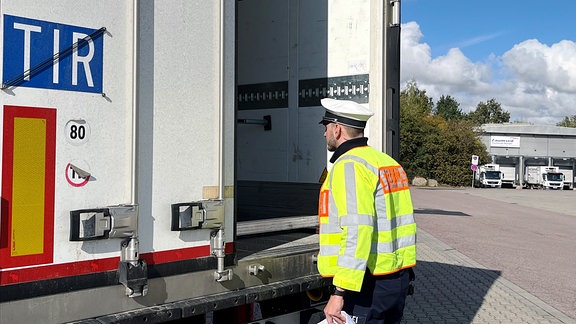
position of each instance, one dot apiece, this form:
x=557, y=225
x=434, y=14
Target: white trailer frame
x=139, y=220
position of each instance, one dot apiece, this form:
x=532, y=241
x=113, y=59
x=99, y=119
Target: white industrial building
x=514, y=146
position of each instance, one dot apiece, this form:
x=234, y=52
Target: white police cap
x=345, y=112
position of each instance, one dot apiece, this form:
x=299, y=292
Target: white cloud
x=536, y=83
x=553, y=67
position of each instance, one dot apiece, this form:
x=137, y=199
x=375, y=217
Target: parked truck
x=543, y=177
x=488, y=176
x=160, y=159
x=509, y=176
x=568, y=178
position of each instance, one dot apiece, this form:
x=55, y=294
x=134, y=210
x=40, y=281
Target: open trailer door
x=291, y=54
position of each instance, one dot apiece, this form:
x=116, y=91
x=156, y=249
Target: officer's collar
x=347, y=146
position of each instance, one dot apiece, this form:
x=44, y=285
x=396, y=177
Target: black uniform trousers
x=381, y=299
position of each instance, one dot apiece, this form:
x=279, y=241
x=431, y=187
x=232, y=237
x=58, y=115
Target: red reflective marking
x=53, y=271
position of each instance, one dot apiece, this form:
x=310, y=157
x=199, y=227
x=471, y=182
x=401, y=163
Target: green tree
x=416, y=102
x=489, y=112
x=458, y=142
x=568, y=122
x=433, y=146
x=415, y=129
x=448, y=108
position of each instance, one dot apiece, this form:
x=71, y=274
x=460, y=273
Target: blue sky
x=522, y=53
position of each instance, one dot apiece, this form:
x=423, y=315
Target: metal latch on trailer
x=115, y=222
x=205, y=214
x=197, y=215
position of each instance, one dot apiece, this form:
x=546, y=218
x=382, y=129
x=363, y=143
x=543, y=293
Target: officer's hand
x=333, y=310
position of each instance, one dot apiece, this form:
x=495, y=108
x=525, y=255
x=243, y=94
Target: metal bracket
x=217, y=244
x=196, y=215
x=266, y=121
x=102, y=223
x=255, y=269
x=115, y=222
x=132, y=271
x=394, y=15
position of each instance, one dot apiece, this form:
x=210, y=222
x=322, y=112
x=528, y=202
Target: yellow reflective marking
x=29, y=175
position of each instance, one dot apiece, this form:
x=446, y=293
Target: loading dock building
x=520, y=145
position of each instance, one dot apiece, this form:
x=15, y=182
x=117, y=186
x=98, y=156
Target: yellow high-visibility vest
x=366, y=218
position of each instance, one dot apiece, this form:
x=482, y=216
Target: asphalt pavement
x=484, y=256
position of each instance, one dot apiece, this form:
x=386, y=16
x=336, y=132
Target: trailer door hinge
x=119, y=221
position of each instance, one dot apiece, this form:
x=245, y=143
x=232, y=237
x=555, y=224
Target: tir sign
x=41, y=54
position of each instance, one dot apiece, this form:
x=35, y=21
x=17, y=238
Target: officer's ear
x=338, y=129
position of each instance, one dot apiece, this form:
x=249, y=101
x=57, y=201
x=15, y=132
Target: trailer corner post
x=133, y=271
x=217, y=238
x=384, y=75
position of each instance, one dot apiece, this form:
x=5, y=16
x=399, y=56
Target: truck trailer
x=509, y=176
x=161, y=159
x=543, y=177
x=568, y=178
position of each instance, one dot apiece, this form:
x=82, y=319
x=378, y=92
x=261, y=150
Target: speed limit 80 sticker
x=77, y=131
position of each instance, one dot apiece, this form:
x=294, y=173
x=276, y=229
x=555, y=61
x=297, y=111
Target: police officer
x=367, y=227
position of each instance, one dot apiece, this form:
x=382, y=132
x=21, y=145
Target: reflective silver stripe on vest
x=329, y=249
x=352, y=208
x=380, y=205
x=365, y=163
x=333, y=225
x=388, y=225
x=351, y=245
x=330, y=228
x=350, y=178
x=351, y=220
x=350, y=262
x=389, y=247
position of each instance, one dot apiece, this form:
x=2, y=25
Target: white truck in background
x=568, y=178
x=543, y=177
x=489, y=176
x=509, y=177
